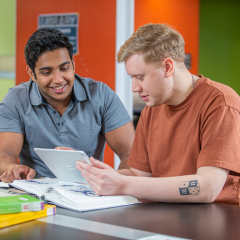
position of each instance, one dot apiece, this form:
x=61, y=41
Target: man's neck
x=183, y=84
x=60, y=106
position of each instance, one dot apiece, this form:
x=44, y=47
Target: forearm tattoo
x=189, y=188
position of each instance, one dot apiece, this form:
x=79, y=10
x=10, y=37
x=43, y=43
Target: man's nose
x=58, y=78
x=136, y=87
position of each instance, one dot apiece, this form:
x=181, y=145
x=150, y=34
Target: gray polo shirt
x=94, y=110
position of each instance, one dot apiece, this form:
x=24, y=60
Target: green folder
x=20, y=203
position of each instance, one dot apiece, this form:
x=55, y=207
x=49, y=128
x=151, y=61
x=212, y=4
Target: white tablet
x=63, y=163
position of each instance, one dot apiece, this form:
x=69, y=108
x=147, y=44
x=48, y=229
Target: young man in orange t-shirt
x=186, y=147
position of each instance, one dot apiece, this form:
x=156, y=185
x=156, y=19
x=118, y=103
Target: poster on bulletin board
x=67, y=23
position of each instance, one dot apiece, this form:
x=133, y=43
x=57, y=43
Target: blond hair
x=156, y=42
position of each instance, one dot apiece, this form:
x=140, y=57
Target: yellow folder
x=15, y=218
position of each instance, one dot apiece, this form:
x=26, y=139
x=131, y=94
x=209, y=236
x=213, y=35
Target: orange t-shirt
x=203, y=130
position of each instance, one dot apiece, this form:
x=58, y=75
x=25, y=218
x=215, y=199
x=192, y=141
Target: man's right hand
x=64, y=148
x=18, y=172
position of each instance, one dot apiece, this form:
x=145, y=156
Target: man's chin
x=152, y=104
x=149, y=104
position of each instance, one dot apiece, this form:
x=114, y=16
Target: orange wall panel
x=97, y=21
x=181, y=15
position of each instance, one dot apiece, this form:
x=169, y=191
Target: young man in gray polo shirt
x=58, y=108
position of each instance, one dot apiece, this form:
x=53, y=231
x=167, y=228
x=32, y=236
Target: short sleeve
x=114, y=114
x=10, y=120
x=138, y=158
x=220, y=139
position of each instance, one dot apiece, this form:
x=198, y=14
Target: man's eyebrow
x=67, y=62
x=45, y=68
x=137, y=74
x=48, y=68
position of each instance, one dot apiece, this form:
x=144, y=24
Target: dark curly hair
x=43, y=40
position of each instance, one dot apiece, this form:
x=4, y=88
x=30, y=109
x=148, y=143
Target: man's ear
x=73, y=62
x=168, y=66
x=30, y=73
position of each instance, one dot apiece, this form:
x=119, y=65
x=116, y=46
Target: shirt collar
x=79, y=92
x=79, y=89
x=34, y=94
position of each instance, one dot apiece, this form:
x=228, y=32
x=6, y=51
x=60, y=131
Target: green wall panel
x=220, y=41
x=7, y=27
x=7, y=43
x=5, y=84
